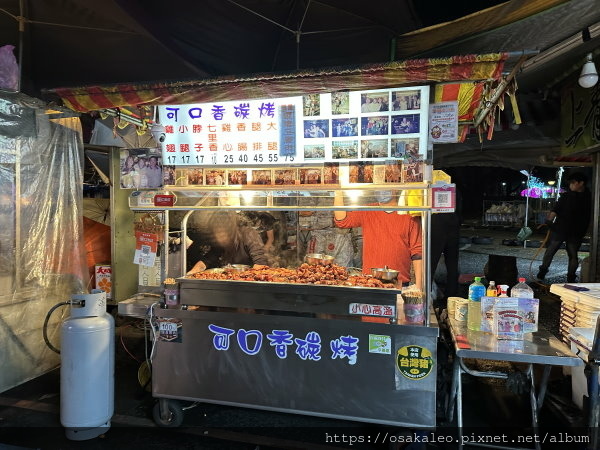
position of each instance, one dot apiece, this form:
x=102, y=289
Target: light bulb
x=158, y=133
x=589, y=74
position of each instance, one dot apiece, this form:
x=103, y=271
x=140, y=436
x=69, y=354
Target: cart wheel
x=175, y=415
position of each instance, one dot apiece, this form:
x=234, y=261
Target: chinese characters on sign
x=443, y=122
x=307, y=348
x=365, y=309
x=145, y=248
x=414, y=362
x=226, y=133
x=363, y=125
x=580, y=118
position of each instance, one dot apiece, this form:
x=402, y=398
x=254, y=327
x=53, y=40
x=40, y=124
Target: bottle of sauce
x=492, y=290
x=503, y=288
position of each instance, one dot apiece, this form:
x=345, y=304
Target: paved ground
x=29, y=414
x=473, y=257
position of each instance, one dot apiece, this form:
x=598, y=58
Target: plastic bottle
x=476, y=291
x=521, y=290
x=492, y=290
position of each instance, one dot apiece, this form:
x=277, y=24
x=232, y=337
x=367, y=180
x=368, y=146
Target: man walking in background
x=568, y=222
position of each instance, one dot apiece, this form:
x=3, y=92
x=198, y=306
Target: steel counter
x=291, y=361
x=536, y=348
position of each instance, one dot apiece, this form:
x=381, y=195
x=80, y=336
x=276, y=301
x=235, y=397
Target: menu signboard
x=376, y=125
x=443, y=122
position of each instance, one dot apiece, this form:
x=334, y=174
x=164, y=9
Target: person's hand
x=198, y=267
x=549, y=223
x=268, y=247
x=260, y=266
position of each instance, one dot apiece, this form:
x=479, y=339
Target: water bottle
x=521, y=290
x=476, y=291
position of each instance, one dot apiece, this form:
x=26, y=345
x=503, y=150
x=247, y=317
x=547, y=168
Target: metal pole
x=184, y=222
x=593, y=272
x=526, y=207
x=427, y=268
x=164, y=269
x=459, y=409
x=18, y=246
x=534, y=405
x=21, y=20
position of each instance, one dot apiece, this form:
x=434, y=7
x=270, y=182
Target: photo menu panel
x=343, y=127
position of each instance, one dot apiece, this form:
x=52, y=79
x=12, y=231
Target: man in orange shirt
x=389, y=239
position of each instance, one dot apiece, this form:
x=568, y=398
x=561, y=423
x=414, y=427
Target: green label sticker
x=414, y=362
x=379, y=343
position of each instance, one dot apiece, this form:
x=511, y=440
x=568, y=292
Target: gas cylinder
x=87, y=367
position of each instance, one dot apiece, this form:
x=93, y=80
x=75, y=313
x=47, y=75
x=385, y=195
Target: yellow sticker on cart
x=414, y=362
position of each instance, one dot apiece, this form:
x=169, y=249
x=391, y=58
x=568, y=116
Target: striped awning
x=467, y=94
x=394, y=74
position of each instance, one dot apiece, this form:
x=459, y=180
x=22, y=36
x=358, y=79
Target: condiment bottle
x=492, y=290
x=503, y=290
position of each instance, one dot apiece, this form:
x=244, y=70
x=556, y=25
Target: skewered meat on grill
x=330, y=275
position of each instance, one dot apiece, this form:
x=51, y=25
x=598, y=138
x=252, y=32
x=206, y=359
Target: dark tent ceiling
x=82, y=42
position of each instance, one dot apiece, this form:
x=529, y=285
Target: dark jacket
x=573, y=213
x=250, y=251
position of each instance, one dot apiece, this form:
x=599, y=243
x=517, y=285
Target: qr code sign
x=145, y=250
x=443, y=199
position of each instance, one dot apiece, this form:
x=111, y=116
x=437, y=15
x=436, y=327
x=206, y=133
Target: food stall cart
x=300, y=340
x=286, y=356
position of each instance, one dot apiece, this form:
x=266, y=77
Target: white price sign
x=235, y=133
x=374, y=125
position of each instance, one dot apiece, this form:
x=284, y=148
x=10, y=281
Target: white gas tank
x=87, y=368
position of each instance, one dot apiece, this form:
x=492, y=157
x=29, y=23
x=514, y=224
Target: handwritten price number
x=184, y=159
x=168, y=327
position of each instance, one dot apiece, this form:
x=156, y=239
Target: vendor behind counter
x=219, y=239
x=389, y=239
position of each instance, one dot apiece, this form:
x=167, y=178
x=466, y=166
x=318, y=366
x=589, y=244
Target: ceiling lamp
x=589, y=75
x=158, y=132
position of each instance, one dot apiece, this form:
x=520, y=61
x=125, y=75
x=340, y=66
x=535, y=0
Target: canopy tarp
x=409, y=72
x=496, y=17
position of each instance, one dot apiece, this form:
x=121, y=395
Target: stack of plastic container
x=578, y=308
x=588, y=310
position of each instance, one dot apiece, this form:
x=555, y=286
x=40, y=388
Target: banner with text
x=374, y=125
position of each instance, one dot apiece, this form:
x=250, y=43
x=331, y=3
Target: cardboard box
x=103, y=276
